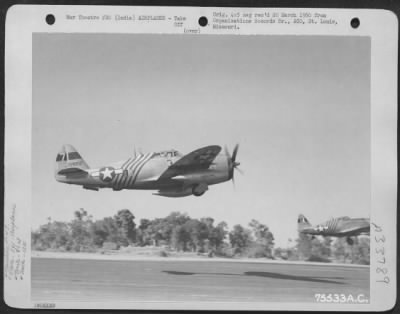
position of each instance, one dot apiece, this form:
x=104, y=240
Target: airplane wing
x=199, y=159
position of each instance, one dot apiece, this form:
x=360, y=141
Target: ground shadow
x=291, y=277
x=261, y=274
x=171, y=272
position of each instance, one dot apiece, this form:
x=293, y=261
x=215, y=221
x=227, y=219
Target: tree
x=142, y=233
x=322, y=248
x=81, y=215
x=341, y=251
x=264, y=239
x=197, y=232
x=125, y=221
x=281, y=253
x=144, y=223
x=179, y=238
x=99, y=232
x=53, y=235
x=163, y=227
x=80, y=231
x=358, y=253
x=107, y=230
x=303, y=246
x=362, y=251
x=240, y=239
x=158, y=231
x=218, y=235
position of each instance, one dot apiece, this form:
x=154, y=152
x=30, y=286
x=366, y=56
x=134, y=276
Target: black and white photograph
x=201, y=171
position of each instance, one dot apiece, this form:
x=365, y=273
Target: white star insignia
x=107, y=173
x=321, y=228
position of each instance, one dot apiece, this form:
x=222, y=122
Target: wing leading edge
x=200, y=159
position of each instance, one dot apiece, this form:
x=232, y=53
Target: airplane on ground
x=335, y=227
x=168, y=172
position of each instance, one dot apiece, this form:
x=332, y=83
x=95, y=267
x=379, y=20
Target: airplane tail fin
x=69, y=162
x=302, y=223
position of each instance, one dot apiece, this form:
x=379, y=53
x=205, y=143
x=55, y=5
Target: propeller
x=232, y=163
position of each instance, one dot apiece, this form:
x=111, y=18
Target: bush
x=314, y=258
x=224, y=251
x=281, y=254
x=88, y=249
x=110, y=246
x=258, y=251
x=362, y=262
x=163, y=254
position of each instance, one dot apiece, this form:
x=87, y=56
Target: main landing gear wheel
x=199, y=190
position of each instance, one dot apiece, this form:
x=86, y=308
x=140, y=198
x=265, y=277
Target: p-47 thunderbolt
x=169, y=172
x=336, y=227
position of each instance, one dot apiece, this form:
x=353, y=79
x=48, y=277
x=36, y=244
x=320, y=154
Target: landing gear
x=199, y=189
x=198, y=194
x=349, y=241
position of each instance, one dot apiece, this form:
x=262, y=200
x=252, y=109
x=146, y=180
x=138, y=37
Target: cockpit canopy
x=169, y=153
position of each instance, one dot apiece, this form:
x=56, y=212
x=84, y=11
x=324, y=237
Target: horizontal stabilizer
x=72, y=172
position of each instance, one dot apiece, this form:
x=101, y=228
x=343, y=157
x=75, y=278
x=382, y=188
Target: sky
x=299, y=106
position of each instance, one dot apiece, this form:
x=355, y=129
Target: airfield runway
x=59, y=279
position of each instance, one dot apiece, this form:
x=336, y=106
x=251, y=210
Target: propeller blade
x=232, y=164
x=235, y=150
x=240, y=170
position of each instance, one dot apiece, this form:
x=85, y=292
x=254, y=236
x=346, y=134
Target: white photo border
x=380, y=25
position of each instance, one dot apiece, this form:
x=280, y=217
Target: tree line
x=180, y=233
x=326, y=249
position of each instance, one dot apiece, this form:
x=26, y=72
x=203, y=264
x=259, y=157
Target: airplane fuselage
x=340, y=227
x=142, y=172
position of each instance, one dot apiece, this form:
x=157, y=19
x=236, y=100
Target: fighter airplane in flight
x=168, y=172
x=336, y=227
